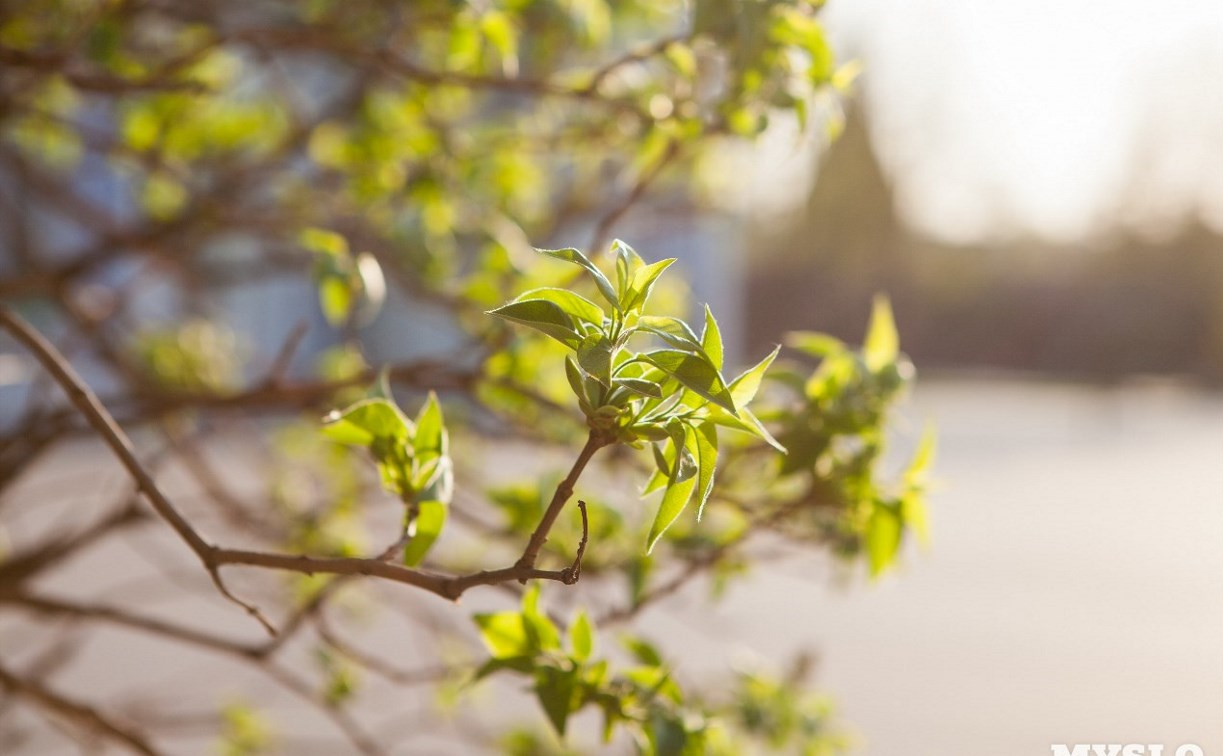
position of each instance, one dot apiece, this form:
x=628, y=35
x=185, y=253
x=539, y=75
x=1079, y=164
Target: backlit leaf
x=430, y=519
x=542, y=315
x=696, y=373
x=882, y=342
x=569, y=254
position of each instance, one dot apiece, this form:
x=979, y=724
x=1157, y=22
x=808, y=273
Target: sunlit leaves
x=695, y=372
x=569, y=254
x=412, y=458
x=544, y=316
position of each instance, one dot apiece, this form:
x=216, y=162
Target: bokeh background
x=1036, y=185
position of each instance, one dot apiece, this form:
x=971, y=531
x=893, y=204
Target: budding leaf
x=368, y=420
x=430, y=519
x=695, y=372
x=642, y=283
x=542, y=315
x=574, y=305
x=572, y=255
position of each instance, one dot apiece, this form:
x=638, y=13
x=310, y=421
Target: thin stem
x=564, y=490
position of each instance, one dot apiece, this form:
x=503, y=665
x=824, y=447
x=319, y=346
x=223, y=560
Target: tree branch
x=564, y=490
x=77, y=712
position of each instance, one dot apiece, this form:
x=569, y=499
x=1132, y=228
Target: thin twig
x=574, y=571
x=601, y=233
x=86, y=716
x=564, y=490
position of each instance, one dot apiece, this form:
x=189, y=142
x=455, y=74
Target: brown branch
x=74, y=711
x=633, y=56
x=574, y=571
x=115, y=616
x=564, y=490
x=648, y=176
x=214, y=557
x=87, y=402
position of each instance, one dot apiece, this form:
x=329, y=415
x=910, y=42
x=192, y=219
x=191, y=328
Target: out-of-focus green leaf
x=815, y=344
x=743, y=389
x=541, y=632
x=883, y=530
x=581, y=637
x=503, y=633
x=366, y=421
x=430, y=428
x=555, y=689
x=430, y=519
x=882, y=341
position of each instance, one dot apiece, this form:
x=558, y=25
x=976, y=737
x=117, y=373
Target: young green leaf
x=541, y=632
x=883, y=530
x=642, y=284
x=706, y=438
x=430, y=428
x=574, y=305
x=555, y=688
x=711, y=339
x=673, y=331
x=572, y=255
x=747, y=422
x=639, y=386
x=503, y=633
x=430, y=519
x=627, y=263
x=594, y=355
x=743, y=389
x=367, y=420
x=695, y=372
x=882, y=342
x=577, y=381
x=674, y=499
x=581, y=637
x=542, y=315
x=815, y=344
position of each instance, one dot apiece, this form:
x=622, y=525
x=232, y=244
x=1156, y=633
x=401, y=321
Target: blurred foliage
x=371, y=152
x=641, y=695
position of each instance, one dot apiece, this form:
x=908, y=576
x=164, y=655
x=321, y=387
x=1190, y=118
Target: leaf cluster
x=412, y=458
x=669, y=393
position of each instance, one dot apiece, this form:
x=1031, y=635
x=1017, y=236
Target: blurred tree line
x=1127, y=303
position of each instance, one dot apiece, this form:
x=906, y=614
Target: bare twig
x=574, y=571
x=564, y=490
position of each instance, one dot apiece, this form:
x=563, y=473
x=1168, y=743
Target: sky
x=1046, y=117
